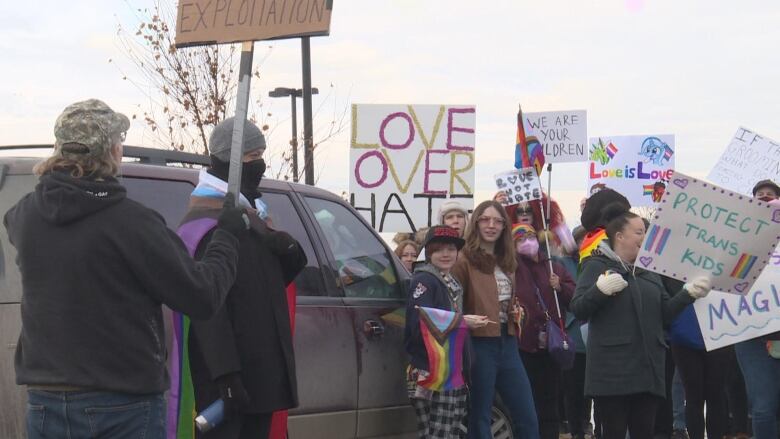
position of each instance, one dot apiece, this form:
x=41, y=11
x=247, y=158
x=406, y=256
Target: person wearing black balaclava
x=244, y=354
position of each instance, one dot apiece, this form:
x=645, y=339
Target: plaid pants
x=441, y=416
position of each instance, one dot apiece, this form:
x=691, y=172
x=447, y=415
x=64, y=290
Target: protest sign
x=726, y=319
x=748, y=159
x=636, y=166
x=229, y=21
x=700, y=229
x=563, y=134
x=405, y=160
x=519, y=185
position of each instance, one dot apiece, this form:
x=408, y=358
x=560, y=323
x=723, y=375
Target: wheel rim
x=500, y=425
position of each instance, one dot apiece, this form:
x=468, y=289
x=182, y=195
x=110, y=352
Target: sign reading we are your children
x=636, y=166
x=700, y=229
x=406, y=160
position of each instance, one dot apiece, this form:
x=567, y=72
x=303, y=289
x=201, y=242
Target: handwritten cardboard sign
x=229, y=21
x=700, y=229
x=636, y=166
x=748, y=159
x=519, y=185
x=406, y=160
x=726, y=319
x=563, y=134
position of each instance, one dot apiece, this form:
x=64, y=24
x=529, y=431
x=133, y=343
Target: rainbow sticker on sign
x=657, y=238
x=648, y=189
x=743, y=266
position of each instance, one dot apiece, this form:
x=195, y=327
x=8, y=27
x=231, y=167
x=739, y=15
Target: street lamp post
x=293, y=93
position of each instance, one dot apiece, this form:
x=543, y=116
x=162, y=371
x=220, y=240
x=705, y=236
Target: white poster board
x=748, y=159
x=726, y=319
x=636, y=166
x=519, y=185
x=563, y=134
x=405, y=160
x=700, y=229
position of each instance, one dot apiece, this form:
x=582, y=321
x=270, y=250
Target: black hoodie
x=95, y=268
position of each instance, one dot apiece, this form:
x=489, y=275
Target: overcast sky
x=697, y=69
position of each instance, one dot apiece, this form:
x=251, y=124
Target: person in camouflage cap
x=91, y=124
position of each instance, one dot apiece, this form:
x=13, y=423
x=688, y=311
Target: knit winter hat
x=520, y=231
x=221, y=139
x=448, y=206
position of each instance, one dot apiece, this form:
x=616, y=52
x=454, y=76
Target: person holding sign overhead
x=761, y=371
x=627, y=308
x=486, y=270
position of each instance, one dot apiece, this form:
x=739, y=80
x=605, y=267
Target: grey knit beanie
x=222, y=138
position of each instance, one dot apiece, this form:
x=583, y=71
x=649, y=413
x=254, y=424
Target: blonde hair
x=79, y=164
x=503, y=253
x=399, y=251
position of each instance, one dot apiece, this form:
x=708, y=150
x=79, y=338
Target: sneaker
x=679, y=434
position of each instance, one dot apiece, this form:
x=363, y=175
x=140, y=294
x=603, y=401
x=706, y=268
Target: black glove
x=233, y=393
x=233, y=219
x=280, y=243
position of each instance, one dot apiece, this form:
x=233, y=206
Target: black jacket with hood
x=95, y=268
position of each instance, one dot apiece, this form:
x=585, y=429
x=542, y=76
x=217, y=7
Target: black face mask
x=251, y=175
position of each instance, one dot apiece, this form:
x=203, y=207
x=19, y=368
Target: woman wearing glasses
x=486, y=271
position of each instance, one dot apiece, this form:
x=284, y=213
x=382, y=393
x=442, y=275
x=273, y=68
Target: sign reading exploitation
x=519, y=185
x=636, y=166
x=700, y=229
x=726, y=319
x=563, y=134
x=748, y=159
x=405, y=160
x=230, y=21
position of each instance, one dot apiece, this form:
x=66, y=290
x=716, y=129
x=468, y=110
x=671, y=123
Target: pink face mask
x=528, y=247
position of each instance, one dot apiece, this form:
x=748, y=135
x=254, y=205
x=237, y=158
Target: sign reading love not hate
x=563, y=134
x=519, y=185
x=636, y=166
x=726, y=319
x=406, y=160
x=748, y=159
x=700, y=229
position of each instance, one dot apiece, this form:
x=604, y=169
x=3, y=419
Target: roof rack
x=150, y=156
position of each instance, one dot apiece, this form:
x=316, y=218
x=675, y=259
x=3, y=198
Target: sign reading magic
x=229, y=21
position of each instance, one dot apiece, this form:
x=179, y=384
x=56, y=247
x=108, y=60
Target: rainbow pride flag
x=528, y=149
x=444, y=334
x=611, y=150
x=744, y=264
x=591, y=241
x=648, y=189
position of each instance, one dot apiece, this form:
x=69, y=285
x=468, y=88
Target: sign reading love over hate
x=405, y=160
x=700, y=229
x=563, y=134
x=519, y=185
x=229, y=21
x=748, y=159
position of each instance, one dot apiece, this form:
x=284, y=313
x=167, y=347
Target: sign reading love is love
x=519, y=185
x=406, y=160
x=700, y=229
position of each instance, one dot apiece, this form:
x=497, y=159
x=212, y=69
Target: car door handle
x=373, y=329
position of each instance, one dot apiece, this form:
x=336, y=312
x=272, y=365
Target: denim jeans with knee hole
x=102, y=415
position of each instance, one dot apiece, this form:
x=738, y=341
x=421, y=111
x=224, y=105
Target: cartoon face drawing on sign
x=656, y=151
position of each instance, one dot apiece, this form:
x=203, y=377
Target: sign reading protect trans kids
x=639, y=167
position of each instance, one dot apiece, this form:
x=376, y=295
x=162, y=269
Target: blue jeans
x=678, y=401
x=497, y=366
x=104, y=415
x=762, y=381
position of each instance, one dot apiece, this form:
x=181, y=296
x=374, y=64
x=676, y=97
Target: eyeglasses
x=491, y=220
x=524, y=211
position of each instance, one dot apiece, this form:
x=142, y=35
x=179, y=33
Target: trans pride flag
x=444, y=334
x=528, y=150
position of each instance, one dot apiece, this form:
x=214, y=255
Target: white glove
x=698, y=287
x=611, y=283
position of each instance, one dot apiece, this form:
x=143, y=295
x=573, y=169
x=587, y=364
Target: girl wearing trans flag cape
x=435, y=337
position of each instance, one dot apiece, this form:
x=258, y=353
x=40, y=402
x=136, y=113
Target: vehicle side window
x=14, y=187
x=363, y=264
x=168, y=197
x=283, y=216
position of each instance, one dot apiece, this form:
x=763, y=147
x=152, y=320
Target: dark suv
x=350, y=300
